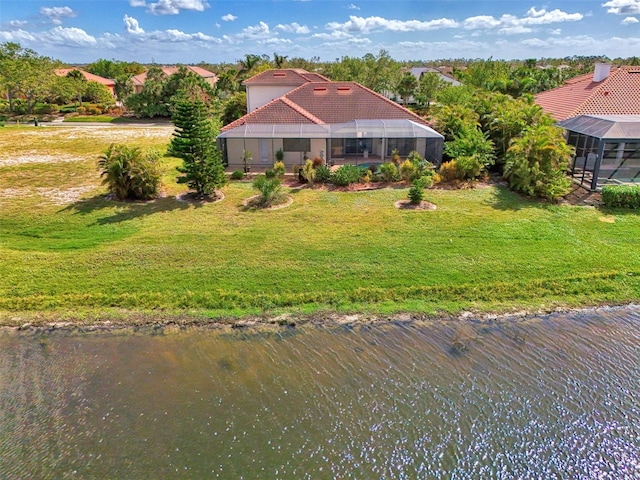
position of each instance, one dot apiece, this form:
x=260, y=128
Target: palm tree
x=279, y=60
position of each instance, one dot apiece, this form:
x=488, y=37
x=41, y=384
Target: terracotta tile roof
x=285, y=76
x=62, y=72
x=279, y=111
x=140, y=78
x=618, y=94
x=341, y=102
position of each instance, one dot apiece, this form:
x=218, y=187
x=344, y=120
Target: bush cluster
x=624, y=196
x=347, y=175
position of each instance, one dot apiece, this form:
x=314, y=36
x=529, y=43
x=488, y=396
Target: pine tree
x=194, y=143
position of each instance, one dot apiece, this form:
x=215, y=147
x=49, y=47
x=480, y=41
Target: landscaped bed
x=87, y=258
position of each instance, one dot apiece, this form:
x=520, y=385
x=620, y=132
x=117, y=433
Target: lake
x=554, y=396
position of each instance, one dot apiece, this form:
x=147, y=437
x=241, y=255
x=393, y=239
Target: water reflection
x=552, y=397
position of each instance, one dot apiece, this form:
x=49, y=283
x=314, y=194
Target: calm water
x=551, y=397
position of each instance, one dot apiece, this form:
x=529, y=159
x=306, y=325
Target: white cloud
x=259, y=31
x=138, y=3
x=554, y=31
x=275, y=42
x=369, y=24
x=510, y=24
x=15, y=24
x=173, y=7
x=294, y=28
x=630, y=21
x=335, y=35
x=132, y=26
x=623, y=7
x=18, y=36
x=229, y=17
x=68, y=37
x=56, y=14
x=353, y=7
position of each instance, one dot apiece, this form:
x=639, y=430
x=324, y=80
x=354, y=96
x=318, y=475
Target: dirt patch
x=407, y=205
x=254, y=202
x=37, y=158
x=583, y=197
x=194, y=198
x=59, y=196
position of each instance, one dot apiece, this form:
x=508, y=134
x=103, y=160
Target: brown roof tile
x=278, y=111
x=62, y=72
x=140, y=78
x=618, y=94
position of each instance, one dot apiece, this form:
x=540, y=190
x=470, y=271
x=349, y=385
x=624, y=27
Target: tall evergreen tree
x=194, y=143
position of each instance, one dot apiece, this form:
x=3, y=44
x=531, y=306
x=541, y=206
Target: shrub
x=323, y=174
x=346, y=175
x=237, y=175
x=130, y=173
x=295, y=169
x=449, y=171
x=317, y=161
x=81, y=109
x=624, y=196
x=45, y=109
x=279, y=168
x=270, y=173
x=94, y=110
x=280, y=155
x=309, y=172
x=424, y=181
x=409, y=171
x=416, y=192
x=473, y=152
x=390, y=172
x=395, y=156
x=270, y=190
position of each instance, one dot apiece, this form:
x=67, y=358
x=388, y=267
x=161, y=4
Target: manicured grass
x=90, y=119
x=484, y=249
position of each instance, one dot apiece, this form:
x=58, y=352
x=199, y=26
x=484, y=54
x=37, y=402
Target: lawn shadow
x=505, y=199
x=127, y=210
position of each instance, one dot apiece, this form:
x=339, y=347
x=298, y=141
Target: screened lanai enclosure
x=357, y=142
x=607, y=149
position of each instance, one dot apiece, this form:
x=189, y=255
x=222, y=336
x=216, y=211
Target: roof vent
x=601, y=72
x=319, y=89
x=279, y=74
x=344, y=89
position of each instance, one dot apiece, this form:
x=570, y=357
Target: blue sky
x=190, y=31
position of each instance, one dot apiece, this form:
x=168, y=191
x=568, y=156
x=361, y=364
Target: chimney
x=601, y=72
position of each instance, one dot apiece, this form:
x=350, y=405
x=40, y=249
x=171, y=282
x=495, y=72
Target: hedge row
x=625, y=196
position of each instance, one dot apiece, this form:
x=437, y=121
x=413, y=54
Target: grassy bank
x=66, y=251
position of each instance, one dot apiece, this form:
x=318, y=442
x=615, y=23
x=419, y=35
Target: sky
x=215, y=31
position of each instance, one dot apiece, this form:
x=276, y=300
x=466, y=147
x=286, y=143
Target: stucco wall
x=259, y=95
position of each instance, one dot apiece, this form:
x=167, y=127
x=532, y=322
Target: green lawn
x=65, y=249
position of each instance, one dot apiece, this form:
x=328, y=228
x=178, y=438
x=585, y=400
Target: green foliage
x=449, y=172
x=472, y=150
x=623, y=196
x=194, y=143
x=428, y=86
x=406, y=87
x=451, y=120
x=379, y=73
x=409, y=170
x=234, y=108
x=389, y=172
x=425, y=181
x=270, y=173
x=347, y=175
x=536, y=163
x=237, y=175
x=270, y=190
x=45, y=108
x=280, y=155
x=323, y=174
x=416, y=192
x=309, y=172
x=97, y=93
x=129, y=173
x=279, y=169
x=114, y=68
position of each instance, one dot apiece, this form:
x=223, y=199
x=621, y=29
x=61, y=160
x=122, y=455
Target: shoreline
x=37, y=323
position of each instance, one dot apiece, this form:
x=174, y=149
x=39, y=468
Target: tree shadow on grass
x=127, y=210
x=505, y=199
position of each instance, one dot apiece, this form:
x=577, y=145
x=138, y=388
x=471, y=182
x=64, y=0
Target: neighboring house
x=601, y=113
x=107, y=82
x=209, y=77
x=418, y=72
x=340, y=122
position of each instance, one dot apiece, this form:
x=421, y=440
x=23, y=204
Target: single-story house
x=210, y=77
x=339, y=122
x=601, y=114
x=107, y=82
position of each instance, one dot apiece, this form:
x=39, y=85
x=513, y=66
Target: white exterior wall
x=259, y=95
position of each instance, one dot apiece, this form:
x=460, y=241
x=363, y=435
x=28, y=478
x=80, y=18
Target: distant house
x=418, y=72
x=107, y=82
x=210, y=77
x=305, y=114
x=601, y=113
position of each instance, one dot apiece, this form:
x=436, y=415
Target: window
x=403, y=145
x=296, y=144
